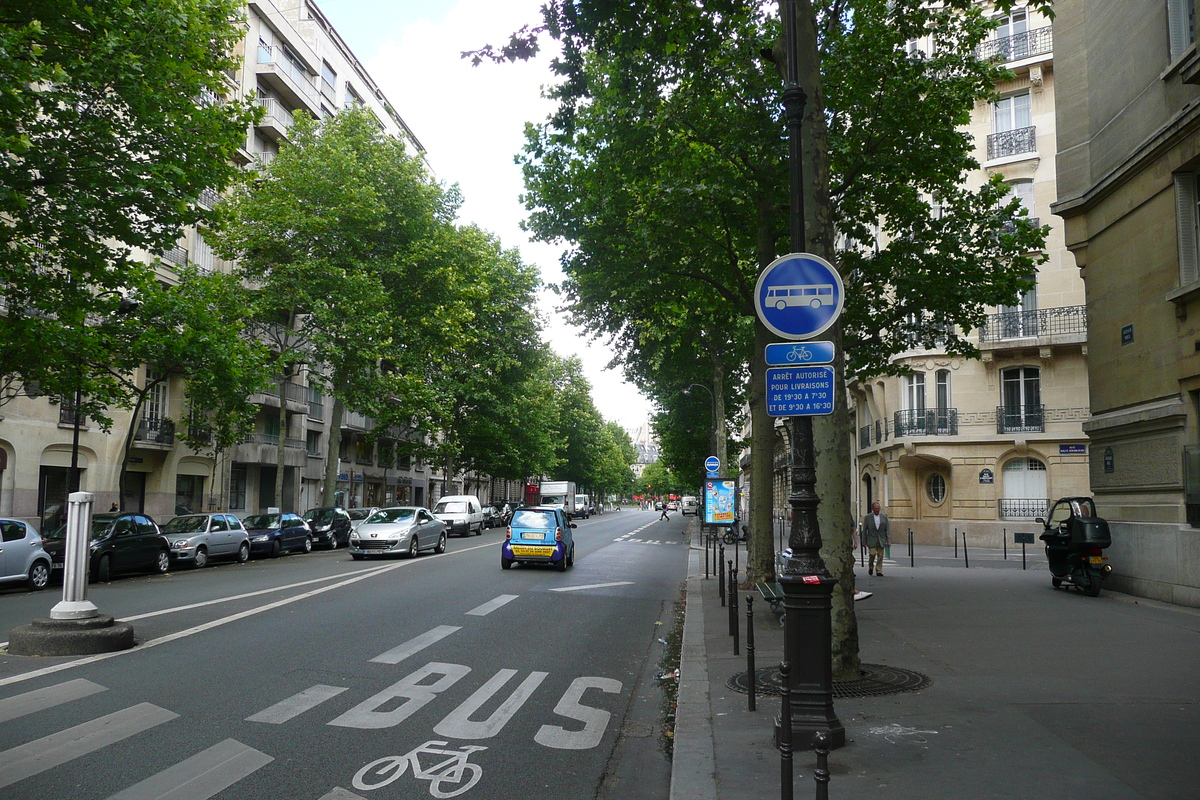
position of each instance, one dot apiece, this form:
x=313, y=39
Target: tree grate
x=876, y=680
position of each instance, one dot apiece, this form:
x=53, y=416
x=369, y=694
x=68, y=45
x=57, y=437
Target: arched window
x=1025, y=493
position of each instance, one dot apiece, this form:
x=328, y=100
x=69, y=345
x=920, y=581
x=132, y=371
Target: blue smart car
x=538, y=536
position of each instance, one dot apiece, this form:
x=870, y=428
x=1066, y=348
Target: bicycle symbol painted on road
x=454, y=771
x=799, y=353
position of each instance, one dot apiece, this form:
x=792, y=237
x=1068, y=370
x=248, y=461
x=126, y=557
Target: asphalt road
x=316, y=677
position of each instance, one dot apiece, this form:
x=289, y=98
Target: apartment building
x=983, y=445
x=1129, y=160
x=292, y=61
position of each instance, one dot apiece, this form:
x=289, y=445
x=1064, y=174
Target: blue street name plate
x=799, y=391
x=799, y=354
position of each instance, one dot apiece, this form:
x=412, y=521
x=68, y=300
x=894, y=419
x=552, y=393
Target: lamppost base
x=70, y=637
x=808, y=601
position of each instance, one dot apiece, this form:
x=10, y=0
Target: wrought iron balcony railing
x=926, y=422
x=155, y=430
x=1038, y=322
x=1020, y=419
x=1012, y=143
x=176, y=255
x=271, y=439
x=1022, y=507
x=1037, y=42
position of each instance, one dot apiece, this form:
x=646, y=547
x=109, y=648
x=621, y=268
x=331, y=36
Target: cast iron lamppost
x=807, y=584
x=712, y=431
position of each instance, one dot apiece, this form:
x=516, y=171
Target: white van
x=583, y=507
x=689, y=505
x=462, y=513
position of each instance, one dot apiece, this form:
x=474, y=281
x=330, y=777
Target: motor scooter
x=729, y=537
x=1075, y=540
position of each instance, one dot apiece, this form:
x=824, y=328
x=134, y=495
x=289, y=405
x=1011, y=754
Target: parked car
x=539, y=536
x=272, y=534
x=462, y=513
x=400, y=530
x=359, y=515
x=22, y=557
x=119, y=543
x=195, y=538
x=330, y=525
x=689, y=505
x=493, y=517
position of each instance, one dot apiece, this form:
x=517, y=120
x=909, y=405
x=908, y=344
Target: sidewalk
x=1036, y=693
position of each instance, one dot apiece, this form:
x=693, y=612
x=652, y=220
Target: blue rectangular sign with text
x=782, y=354
x=799, y=391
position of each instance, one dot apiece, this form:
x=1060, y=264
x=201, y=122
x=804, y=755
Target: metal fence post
x=721, y=574
x=966, y=555
x=733, y=620
x=821, y=773
x=956, y=542
x=912, y=558
x=785, y=735
x=706, y=546
x=750, y=648
x=1004, y=539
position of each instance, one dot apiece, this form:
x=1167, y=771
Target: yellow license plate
x=533, y=536
x=1096, y=559
x=518, y=550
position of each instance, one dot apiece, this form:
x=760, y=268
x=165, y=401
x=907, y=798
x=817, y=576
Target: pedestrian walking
x=664, y=514
x=875, y=537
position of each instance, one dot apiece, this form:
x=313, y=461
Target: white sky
x=471, y=122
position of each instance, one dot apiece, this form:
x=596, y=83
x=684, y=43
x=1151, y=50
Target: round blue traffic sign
x=799, y=296
x=712, y=464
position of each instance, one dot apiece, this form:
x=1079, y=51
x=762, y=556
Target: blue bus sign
x=799, y=391
x=799, y=296
x=785, y=354
x=712, y=465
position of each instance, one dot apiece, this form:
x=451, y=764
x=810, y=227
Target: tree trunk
x=331, y=457
x=133, y=426
x=280, y=453
x=760, y=547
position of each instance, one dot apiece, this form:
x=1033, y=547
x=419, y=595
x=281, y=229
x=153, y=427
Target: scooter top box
x=1091, y=531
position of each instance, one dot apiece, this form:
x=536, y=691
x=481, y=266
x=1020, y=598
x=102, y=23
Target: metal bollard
x=706, y=556
x=966, y=555
x=821, y=773
x=912, y=558
x=1022, y=555
x=733, y=621
x=750, y=648
x=721, y=574
x=785, y=734
x=956, y=542
x=1004, y=539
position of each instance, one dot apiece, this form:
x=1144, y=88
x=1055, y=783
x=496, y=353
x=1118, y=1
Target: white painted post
x=75, y=604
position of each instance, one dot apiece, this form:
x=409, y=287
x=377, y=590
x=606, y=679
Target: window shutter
x=1185, y=219
x=1179, y=25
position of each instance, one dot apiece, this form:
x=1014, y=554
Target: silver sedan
x=195, y=538
x=403, y=530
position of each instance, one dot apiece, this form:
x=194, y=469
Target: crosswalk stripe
x=417, y=644
x=491, y=605
x=41, y=699
x=297, y=704
x=201, y=776
x=338, y=793
x=59, y=748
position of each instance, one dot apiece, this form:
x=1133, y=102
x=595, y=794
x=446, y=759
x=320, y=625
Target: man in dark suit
x=875, y=537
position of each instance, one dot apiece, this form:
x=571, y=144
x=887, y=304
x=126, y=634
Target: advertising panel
x=718, y=502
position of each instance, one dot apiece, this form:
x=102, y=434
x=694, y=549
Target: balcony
x=155, y=431
x=176, y=255
x=926, y=422
x=287, y=75
x=1061, y=325
x=1021, y=419
x=1022, y=507
x=263, y=448
x=356, y=421
x=316, y=410
x=1012, y=143
x=1037, y=42
x=208, y=198
x=276, y=120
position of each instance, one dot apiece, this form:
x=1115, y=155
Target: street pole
x=807, y=584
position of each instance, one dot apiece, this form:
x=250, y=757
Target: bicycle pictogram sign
x=454, y=771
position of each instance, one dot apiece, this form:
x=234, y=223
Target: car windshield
x=458, y=507
x=318, y=515
x=386, y=515
x=262, y=521
x=359, y=513
x=193, y=524
x=533, y=519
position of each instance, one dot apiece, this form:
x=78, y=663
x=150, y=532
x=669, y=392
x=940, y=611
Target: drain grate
x=876, y=680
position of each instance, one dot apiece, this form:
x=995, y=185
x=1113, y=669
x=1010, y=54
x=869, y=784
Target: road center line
x=415, y=645
x=491, y=605
x=592, y=586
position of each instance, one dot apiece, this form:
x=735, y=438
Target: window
x=914, y=392
x=1025, y=493
x=1181, y=21
x=1011, y=113
x=1021, y=397
x=313, y=443
x=936, y=487
x=1012, y=25
x=1021, y=320
x=1187, y=215
x=155, y=406
x=271, y=425
x=328, y=80
x=1023, y=191
x=942, y=391
x=203, y=257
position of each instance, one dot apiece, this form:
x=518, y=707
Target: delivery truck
x=559, y=494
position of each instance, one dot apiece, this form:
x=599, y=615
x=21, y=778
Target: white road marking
x=492, y=605
x=297, y=704
x=418, y=693
x=594, y=720
x=38, y=673
x=201, y=776
x=59, y=748
x=338, y=793
x=592, y=586
x=458, y=723
x=415, y=645
x=41, y=699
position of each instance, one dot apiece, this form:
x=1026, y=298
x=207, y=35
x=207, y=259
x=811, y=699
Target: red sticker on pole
x=811, y=579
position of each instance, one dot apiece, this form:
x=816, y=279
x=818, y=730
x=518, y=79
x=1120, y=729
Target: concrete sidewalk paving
x=1036, y=693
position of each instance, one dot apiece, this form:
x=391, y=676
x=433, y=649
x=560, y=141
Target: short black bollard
x=706, y=547
x=862, y=555
x=733, y=620
x=750, y=648
x=721, y=574
x=1022, y=555
x=912, y=558
x=956, y=542
x=785, y=735
x=966, y=555
x=1004, y=539
x=821, y=773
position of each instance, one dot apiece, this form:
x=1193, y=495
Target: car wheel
x=39, y=576
x=562, y=563
x=571, y=556
x=201, y=557
x=505, y=563
x=276, y=549
x=243, y=553
x=103, y=570
x=479, y=530
x=441, y=545
x=332, y=540
x=307, y=544
x=1056, y=582
x=163, y=562
x=413, y=547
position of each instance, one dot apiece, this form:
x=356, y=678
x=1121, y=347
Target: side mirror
x=1040, y=521
x=572, y=525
